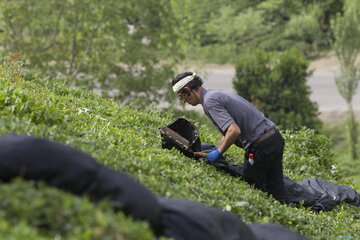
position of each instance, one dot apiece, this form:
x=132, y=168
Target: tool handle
x=200, y=154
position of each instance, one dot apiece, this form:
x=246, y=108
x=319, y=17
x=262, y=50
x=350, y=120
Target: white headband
x=180, y=84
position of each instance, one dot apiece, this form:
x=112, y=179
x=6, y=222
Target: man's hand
x=214, y=155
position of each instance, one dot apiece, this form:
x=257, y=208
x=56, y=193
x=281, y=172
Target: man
x=243, y=125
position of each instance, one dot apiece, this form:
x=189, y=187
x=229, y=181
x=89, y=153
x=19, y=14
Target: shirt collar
x=203, y=92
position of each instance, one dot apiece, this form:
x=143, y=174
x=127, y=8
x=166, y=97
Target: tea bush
x=128, y=139
x=40, y=212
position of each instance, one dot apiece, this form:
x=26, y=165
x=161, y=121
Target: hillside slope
x=128, y=139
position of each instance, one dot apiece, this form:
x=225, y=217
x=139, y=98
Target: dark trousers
x=267, y=171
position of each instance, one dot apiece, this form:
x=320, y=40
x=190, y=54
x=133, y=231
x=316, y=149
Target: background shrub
x=276, y=84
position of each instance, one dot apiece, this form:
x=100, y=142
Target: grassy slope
x=127, y=139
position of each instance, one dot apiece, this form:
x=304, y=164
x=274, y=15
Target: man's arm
x=232, y=133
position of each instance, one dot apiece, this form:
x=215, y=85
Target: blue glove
x=213, y=155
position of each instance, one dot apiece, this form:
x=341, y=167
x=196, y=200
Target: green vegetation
x=36, y=211
x=222, y=30
x=114, y=47
x=128, y=49
x=127, y=139
x=347, y=48
x=340, y=147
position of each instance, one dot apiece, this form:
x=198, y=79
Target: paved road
x=322, y=84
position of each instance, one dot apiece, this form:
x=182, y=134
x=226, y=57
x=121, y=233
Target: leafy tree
x=347, y=47
x=226, y=29
x=200, y=21
x=305, y=28
x=276, y=84
x=244, y=26
x=107, y=45
x=194, y=15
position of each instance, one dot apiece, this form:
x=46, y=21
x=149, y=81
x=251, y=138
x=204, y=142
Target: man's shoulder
x=211, y=94
x=215, y=98
x=220, y=95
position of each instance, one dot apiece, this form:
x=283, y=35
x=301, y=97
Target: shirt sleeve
x=220, y=116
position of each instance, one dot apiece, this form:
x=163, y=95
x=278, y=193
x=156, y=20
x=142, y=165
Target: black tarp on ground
x=317, y=193
x=180, y=215
x=185, y=218
x=329, y=194
x=273, y=231
x=72, y=170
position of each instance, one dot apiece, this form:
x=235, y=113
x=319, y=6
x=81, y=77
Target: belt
x=263, y=137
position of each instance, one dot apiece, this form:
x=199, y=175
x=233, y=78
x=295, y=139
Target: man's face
x=188, y=97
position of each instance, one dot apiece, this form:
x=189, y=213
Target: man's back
x=224, y=108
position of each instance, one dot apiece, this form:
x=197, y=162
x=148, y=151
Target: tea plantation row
x=127, y=139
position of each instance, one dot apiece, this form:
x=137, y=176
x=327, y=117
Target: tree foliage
x=346, y=29
x=108, y=45
x=305, y=27
x=276, y=84
x=225, y=29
